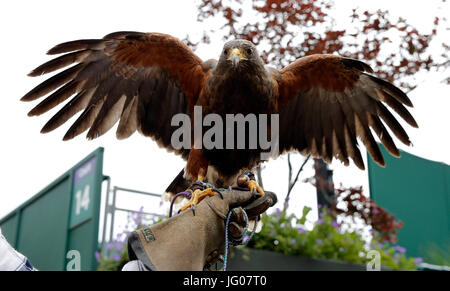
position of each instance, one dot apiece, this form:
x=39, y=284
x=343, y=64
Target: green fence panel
x=43, y=227
x=61, y=218
x=417, y=192
x=9, y=227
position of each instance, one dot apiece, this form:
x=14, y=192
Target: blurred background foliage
x=328, y=239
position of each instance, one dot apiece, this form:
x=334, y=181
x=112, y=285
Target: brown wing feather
x=326, y=102
x=78, y=103
x=138, y=79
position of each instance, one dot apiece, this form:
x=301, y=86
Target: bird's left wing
x=326, y=102
x=141, y=79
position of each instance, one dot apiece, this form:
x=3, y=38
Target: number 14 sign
x=83, y=182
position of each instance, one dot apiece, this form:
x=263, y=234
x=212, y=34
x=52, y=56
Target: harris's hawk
x=141, y=80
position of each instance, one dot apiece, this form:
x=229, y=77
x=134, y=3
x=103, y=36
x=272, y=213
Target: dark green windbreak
x=417, y=191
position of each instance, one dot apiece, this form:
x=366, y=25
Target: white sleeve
x=135, y=265
x=10, y=259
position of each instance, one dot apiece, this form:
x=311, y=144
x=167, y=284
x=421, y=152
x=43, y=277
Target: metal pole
x=136, y=191
x=113, y=210
x=105, y=215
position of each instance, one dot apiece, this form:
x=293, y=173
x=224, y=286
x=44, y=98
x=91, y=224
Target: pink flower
x=301, y=229
x=335, y=224
x=399, y=249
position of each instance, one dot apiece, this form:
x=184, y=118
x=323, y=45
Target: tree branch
x=292, y=184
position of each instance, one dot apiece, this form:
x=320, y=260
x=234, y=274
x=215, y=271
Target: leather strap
x=216, y=211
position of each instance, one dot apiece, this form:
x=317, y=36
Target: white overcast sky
x=30, y=160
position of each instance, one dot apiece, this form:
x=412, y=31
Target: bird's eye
x=225, y=51
x=249, y=51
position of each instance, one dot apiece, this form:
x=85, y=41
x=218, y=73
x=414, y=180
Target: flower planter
x=262, y=260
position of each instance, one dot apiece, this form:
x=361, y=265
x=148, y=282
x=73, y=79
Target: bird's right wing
x=141, y=79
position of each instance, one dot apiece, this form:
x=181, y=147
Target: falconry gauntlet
x=191, y=240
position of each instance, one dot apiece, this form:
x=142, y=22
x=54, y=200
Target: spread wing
x=326, y=102
x=141, y=79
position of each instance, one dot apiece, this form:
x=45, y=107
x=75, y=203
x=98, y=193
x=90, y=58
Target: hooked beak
x=236, y=56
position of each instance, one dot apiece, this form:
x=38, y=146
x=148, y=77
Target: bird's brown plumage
x=141, y=80
x=138, y=79
x=327, y=102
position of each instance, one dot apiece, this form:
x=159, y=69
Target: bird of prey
x=141, y=80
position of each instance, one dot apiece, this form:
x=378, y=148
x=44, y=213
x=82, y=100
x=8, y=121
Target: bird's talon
x=255, y=188
x=197, y=196
x=255, y=196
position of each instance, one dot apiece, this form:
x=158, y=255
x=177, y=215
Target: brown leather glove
x=188, y=241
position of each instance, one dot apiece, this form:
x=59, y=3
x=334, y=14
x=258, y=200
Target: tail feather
x=179, y=184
